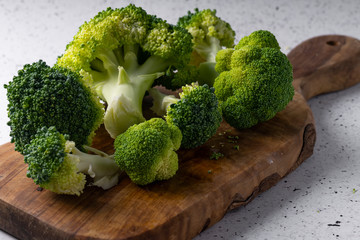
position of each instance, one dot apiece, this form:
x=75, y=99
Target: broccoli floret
x=255, y=80
x=51, y=96
x=197, y=113
x=146, y=151
x=56, y=164
x=210, y=35
x=121, y=52
x=260, y=38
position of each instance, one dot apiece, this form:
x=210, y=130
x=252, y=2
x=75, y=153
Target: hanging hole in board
x=332, y=43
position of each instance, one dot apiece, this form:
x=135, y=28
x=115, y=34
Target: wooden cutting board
x=203, y=190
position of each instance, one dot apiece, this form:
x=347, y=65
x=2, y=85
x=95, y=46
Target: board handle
x=325, y=64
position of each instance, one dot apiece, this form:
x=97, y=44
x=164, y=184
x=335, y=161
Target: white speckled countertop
x=321, y=198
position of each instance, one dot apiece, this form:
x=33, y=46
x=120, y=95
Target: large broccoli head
x=56, y=164
x=51, y=96
x=121, y=52
x=146, y=151
x=255, y=80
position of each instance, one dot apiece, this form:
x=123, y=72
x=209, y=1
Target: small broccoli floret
x=51, y=96
x=146, y=151
x=255, y=80
x=56, y=164
x=197, y=113
x=210, y=35
x=121, y=52
x=261, y=39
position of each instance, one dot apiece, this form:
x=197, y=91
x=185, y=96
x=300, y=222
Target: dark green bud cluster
x=43, y=96
x=197, y=115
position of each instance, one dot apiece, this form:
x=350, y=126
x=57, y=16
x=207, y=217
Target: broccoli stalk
x=124, y=92
x=207, y=49
x=161, y=101
x=197, y=113
x=57, y=165
x=120, y=53
x=99, y=166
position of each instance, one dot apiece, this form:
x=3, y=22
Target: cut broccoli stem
x=122, y=82
x=130, y=59
x=124, y=97
x=153, y=64
x=207, y=73
x=161, y=102
x=208, y=49
x=109, y=60
x=101, y=167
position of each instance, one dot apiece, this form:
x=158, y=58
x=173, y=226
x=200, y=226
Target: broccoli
x=197, y=113
x=51, y=96
x=174, y=79
x=255, y=80
x=210, y=35
x=56, y=164
x=146, y=151
x=120, y=53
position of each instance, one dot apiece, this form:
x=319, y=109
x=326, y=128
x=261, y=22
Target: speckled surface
x=321, y=198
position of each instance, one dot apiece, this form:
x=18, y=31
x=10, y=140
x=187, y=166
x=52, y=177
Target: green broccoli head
x=255, y=80
x=197, y=113
x=120, y=53
x=146, y=151
x=260, y=38
x=51, y=96
x=56, y=164
x=49, y=166
x=210, y=34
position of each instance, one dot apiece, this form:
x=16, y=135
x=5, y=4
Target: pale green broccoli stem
x=207, y=73
x=101, y=167
x=130, y=59
x=161, y=102
x=122, y=83
x=131, y=87
x=208, y=49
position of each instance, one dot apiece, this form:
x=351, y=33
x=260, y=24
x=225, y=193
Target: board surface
x=203, y=190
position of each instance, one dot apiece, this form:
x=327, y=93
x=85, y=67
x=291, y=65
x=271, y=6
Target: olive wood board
x=203, y=190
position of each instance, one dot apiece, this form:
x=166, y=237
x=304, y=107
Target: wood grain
x=203, y=190
x=325, y=64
